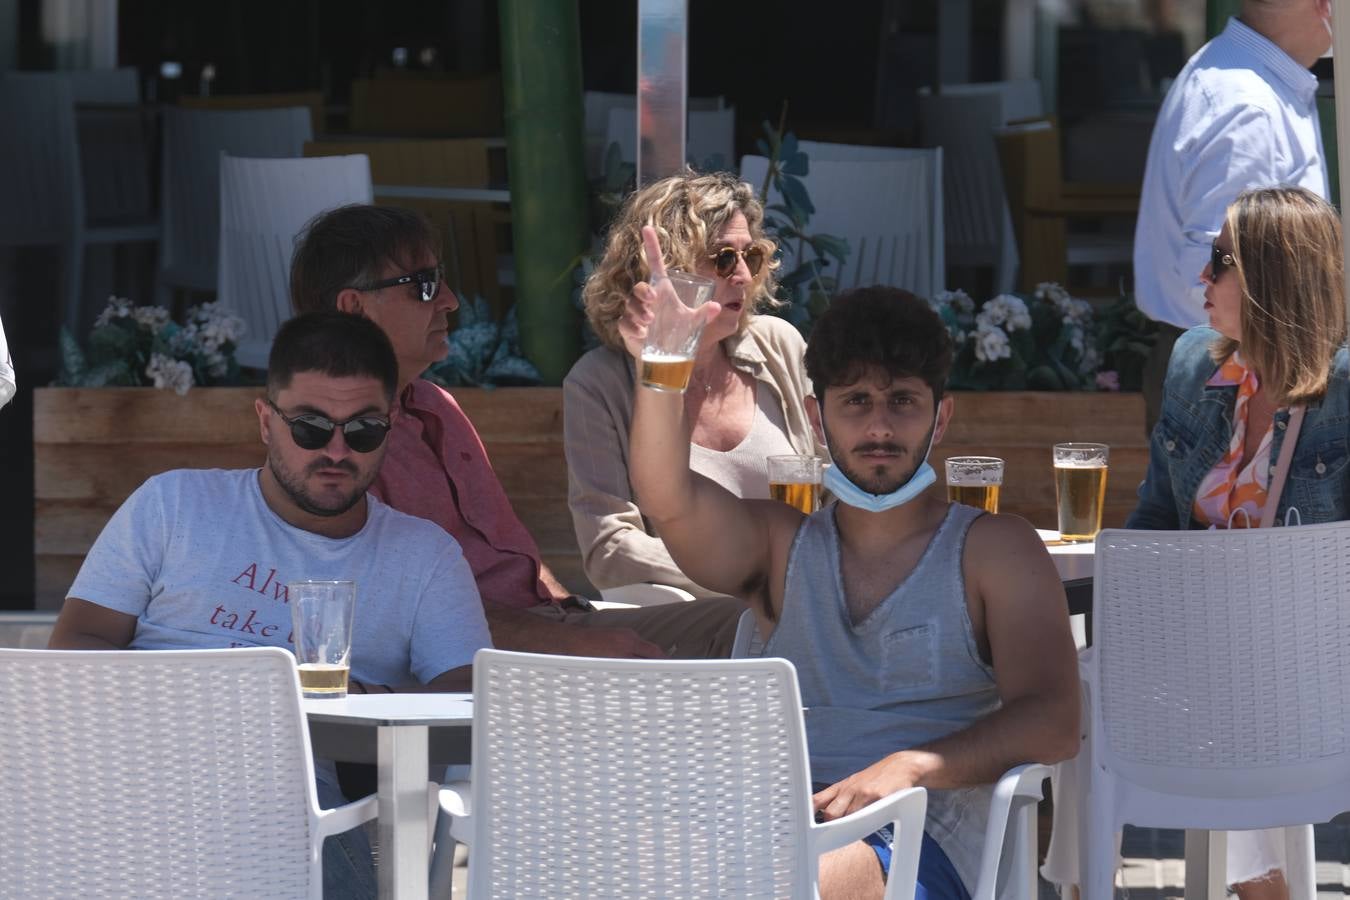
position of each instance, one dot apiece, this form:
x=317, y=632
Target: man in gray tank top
x=931, y=640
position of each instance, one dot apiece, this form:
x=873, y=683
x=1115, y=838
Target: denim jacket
x=1196, y=425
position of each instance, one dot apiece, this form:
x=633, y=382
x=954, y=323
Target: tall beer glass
x=321, y=612
x=672, y=337
x=975, y=481
x=795, y=480
x=1080, y=489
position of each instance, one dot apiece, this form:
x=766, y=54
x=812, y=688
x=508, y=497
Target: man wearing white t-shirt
x=201, y=558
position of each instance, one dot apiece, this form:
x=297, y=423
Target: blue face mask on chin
x=850, y=494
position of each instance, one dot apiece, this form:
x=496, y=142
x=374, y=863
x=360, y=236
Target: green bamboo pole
x=1217, y=13
x=541, y=86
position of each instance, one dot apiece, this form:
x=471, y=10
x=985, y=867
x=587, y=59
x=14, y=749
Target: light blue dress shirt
x=1242, y=114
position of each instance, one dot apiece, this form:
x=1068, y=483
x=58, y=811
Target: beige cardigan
x=618, y=545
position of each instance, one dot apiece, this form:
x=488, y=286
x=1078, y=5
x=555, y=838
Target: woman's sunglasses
x=724, y=260
x=311, y=431
x=428, y=282
x=1220, y=260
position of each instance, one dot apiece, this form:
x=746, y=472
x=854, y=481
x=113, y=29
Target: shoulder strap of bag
x=1281, y=472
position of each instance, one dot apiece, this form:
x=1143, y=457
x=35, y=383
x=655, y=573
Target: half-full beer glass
x=1080, y=489
x=672, y=337
x=795, y=480
x=321, y=612
x=975, y=481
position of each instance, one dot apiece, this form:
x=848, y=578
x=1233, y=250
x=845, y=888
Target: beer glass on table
x=1080, y=489
x=672, y=337
x=975, y=481
x=321, y=612
x=795, y=480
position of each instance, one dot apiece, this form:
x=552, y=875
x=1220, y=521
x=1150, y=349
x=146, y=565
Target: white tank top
x=742, y=469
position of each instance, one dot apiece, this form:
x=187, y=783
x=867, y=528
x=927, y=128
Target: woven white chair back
x=648, y=779
x=978, y=223
x=1220, y=663
x=264, y=203
x=41, y=193
x=710, y=144
x=194, y=141
x=155, y=774
x=747, y=644
x=887, y=203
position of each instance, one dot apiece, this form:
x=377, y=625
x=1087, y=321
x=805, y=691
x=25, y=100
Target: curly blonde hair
x=688, y=211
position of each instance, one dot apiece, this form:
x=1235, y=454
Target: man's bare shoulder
x=1005, y=545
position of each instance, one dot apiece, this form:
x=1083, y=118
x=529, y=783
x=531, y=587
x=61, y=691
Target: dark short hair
x=349, y=246
x=879, y=326
x=334, y=343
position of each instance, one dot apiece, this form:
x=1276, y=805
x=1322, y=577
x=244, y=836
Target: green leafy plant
x=808, y=286
x=137, y=346
x=1045, y=341
x=484, y=352
x=1125, y=338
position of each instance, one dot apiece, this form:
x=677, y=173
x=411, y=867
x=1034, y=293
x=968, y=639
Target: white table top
x=1074, y=561
x=393, y=709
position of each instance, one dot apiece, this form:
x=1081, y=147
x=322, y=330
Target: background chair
x=194, y=140
x=1008, y=863
x=159, y=774
x=887, y=203
x=709, y=134
x=596, y=106
x=264, y=203
x=1043, y=204
x=979, y=233
x=310, y=100
x=42, y=188
x=690, y=778
x=1219, y=687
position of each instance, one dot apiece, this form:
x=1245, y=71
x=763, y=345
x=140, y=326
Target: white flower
x=1007, y=311
x=152, y=318
x=991, y=343
x=958, y=300
x=1049, y=290
x=166, y=372
x=117, y=308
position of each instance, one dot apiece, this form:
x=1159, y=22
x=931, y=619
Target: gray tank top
x=910, y=672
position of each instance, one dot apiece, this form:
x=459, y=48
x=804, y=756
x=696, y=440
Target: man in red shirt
x=382, y=263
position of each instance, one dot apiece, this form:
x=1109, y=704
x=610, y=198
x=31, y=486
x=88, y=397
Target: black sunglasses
x=428, y=282
x=724, y=260
x=1220, y=260
x=311, y=431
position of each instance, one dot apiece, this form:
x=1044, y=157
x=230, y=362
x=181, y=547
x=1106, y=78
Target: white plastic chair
x=264, y=203
x=979, y=229
x=1219, y=686
x=1008, y=862
x=159, y=774
x=887, y=203
x=709, y=132
x=118, y=87
x=651, y=778
x=194, y=141
x=1022, y=97
x=42, y=191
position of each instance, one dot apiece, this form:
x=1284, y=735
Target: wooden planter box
x=94, y=446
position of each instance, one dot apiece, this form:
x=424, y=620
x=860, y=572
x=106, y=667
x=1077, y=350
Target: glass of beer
x=1080, y=489
x=672, y=337
x=975, y=481
x=795, y=480
x=321, y=612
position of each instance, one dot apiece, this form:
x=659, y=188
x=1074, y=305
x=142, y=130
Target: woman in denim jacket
x=1274, y=292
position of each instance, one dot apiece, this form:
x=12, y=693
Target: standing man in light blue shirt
x=1241, y=114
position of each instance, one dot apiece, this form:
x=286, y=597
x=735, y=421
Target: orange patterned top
x=1229, y=486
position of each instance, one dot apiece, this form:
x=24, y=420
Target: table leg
x=404, y=828
x=1206, y=865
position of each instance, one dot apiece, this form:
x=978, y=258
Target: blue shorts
x=937, y=876
x=938, y=879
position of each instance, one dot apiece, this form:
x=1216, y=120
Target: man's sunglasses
x=1220, y=260
x=428, y=282
x=311, y=431
x=724, y=260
